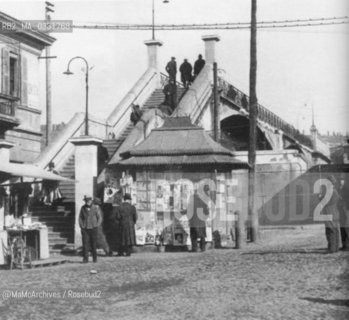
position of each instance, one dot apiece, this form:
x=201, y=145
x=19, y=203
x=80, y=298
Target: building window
x=13, y=76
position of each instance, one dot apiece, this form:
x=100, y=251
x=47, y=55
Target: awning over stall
x=9, y=170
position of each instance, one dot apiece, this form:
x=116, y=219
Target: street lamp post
x=153, y=18
x=68, y=72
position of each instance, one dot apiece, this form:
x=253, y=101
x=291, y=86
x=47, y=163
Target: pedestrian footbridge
x=278, y=142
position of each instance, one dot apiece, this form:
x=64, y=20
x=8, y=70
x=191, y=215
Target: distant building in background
x=339, y=149
x=19, y=89
x=335, y=139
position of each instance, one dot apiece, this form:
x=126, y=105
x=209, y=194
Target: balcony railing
x=236, y=96
x=7, y=108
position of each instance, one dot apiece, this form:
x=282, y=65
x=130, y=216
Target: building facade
x=19, y=88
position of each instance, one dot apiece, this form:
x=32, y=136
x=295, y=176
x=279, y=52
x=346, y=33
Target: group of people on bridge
x=186, y=70
x=188, y=74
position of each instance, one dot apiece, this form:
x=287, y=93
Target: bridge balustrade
x=263, y=113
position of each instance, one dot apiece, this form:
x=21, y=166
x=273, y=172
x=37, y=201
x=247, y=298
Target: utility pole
x=215, y=103
x=253, y=214
x=48, y=8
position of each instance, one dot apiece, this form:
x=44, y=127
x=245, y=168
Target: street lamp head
x=68, y=72
x=166, y=1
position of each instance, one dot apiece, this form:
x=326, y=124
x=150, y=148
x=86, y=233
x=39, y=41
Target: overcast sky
x=297, y=67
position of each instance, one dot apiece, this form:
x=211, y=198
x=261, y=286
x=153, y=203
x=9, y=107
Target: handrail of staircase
x=164, y=78
x=72, y=127
x=69, y=131
x=153, y=74
x=202, y=104
x=199, y=89
x=265, y=114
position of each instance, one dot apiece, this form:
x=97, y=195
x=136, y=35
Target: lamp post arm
x=78, y=57
x=86, y=86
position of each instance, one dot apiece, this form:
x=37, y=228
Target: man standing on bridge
x=198, y=65
x=171, y=69
x=186, y=70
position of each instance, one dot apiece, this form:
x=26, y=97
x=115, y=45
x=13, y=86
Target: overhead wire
x=222, y=26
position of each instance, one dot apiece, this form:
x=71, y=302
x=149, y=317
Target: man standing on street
x=89, y=219
x=126, y=216
x=344, y=213
x=171, y=69
x=331, y=209
x=198, y=212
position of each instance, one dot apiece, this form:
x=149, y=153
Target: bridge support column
x=153, y=52
x=210, y=47
x=86, y=171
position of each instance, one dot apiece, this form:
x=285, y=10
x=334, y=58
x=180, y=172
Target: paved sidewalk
x=287, y=276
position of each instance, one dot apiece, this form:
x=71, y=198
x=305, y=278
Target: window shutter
x=5, y=66
x=18, y=78
x=24, y=84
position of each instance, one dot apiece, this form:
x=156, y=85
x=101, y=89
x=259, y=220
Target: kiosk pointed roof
x=179, y=143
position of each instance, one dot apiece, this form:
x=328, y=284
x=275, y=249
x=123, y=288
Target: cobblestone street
x=287, y=276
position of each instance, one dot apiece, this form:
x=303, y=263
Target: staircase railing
x=60, y=149
x=164, y=79
x=119, y=118
x=263, y=113
x=197, y=96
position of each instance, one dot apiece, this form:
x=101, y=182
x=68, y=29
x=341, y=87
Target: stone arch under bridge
x=235, y=134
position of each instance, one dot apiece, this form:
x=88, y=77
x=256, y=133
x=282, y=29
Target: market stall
x=17, y=185
x=165, y=172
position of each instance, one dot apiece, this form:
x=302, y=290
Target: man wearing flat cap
x=89, y=219
x=126, y=216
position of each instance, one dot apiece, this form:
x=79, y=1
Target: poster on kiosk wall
x=146, y=229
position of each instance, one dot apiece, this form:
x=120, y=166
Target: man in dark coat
x=244, y=102
x=89, y=219
x=186, y=70
x=171, y=68
x=231, y=93
x=136, y=114
x=344, y=214
x=170, y=92
x=126, y=216
x=198, y=65
x=331, y=208
x=198, y=212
